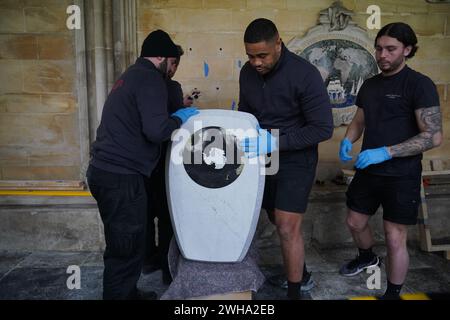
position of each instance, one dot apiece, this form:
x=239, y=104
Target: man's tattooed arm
x=429, y=121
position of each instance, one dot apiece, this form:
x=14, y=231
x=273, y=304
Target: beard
x=163, y=68
x=392, y=66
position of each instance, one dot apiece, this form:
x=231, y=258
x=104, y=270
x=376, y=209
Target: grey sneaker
x=356, y=266
x=306, y=284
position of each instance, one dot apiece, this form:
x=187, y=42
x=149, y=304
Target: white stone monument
x=214, y=192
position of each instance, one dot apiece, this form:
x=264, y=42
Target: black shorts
x=399, y=196
x=289, y=188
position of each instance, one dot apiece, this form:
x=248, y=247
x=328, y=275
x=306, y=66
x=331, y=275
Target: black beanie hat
x=159, y=44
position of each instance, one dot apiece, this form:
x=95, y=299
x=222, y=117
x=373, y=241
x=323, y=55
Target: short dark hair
x=260, y=30
x=403, y=33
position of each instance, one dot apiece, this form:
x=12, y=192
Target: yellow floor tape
x=414, y=296
x=54, y=193
x=406, y=296
x=363, y=298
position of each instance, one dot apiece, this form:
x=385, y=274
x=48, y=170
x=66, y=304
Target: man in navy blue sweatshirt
x=156, y=256
x=135, y=121
x=286, y=93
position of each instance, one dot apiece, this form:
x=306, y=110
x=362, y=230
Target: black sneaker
x=306, y=284
x=280, y=281
x=389, y=297
x=144, y=295
x=356, y=266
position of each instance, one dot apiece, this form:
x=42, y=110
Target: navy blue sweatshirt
x=135, y=121
x=175, y=95
x=292, y=98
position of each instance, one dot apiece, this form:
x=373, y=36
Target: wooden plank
x=440, y=247
x=437, y=165
x=424, y=230
x=42, y=185
x=351, y=173
x=426, y=165
x=425, y=238
x=435, y=173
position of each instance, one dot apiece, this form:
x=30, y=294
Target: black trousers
x=122, y=200
x=158, y=207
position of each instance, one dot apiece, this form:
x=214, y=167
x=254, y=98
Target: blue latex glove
x=185, y=113
x=264, y=143
x=372, y=156
x=346, y=147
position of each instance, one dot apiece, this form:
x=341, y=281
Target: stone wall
x=39, y=128
x=211, y=31
x=39, y=137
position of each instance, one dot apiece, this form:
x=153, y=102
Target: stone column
x=124, y=34
x=105, y=47
x=82, y=92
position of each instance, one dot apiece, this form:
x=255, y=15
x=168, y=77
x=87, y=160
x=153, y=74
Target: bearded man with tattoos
x=399, y=114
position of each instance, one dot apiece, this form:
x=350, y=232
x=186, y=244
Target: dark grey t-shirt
x=389, y=104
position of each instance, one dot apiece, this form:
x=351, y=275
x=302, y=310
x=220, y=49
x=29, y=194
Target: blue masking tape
x=205, y=69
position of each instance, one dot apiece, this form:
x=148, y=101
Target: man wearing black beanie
x=158, y=47
x=135, y=121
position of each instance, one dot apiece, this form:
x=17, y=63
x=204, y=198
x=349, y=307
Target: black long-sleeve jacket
x=291, y=98
x=134, y=123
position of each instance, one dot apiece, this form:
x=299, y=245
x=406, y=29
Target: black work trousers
x=158, y=207
x=122, y=201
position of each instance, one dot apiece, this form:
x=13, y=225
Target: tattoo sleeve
x=429, y=121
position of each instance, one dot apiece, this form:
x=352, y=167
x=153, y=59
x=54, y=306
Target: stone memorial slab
x=214, y=192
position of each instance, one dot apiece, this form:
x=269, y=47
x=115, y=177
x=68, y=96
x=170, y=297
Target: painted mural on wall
x=344, y=65
x=342, y=52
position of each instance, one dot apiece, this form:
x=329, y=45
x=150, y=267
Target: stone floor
x=43, y=275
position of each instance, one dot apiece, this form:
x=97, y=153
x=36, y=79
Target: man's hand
x=187, y=101
x=185, y=113
x=264, y=143
x=346, y=147
x=372, y=156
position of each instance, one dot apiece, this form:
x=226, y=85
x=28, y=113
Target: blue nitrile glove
x=264, y=143
x=346, y=147
x=372, y=156
x=185, y=113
